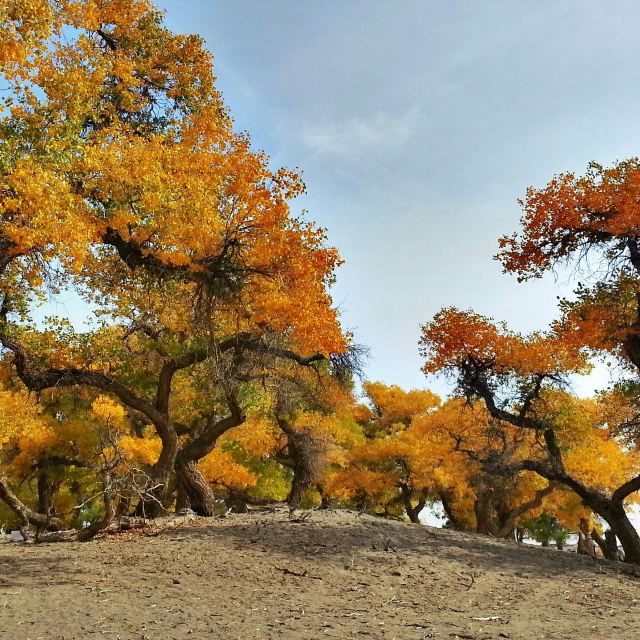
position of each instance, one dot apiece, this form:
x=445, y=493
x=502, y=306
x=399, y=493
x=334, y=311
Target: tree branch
x=27, y=515
x=534, y=503
x=52, y=378
x=626, y=490
x=198, y=447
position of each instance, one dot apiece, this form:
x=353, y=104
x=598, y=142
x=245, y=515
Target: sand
x=334, y=574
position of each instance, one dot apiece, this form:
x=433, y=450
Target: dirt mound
x=332, y=574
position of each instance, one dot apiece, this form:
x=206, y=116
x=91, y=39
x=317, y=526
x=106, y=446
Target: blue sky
x=417, y=125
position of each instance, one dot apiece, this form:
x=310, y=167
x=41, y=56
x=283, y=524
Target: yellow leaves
x=600, y=462
x=24, y=432
x=19, y=413
x=258, y=435
x=91, y=14
x=108, y=410
x=32, y=444
x=361, y=413
x=328, y=427
x=394, y=405
x=39, y=212
x=141, y=450
x=23, y=25
x=357, y=482
x=586, y=431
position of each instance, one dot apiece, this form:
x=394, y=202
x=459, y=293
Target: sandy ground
x=334, y=574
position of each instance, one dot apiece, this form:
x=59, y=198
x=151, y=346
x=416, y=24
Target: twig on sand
x=297, y=574
x=301, y=518
x=468, y=575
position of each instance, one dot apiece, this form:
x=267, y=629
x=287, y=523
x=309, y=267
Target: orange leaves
x=594, y=222
x=221, y=470
x=455, y=337
x=603, y=318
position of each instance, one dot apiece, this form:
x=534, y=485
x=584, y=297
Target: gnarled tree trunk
x=608, y=545
x=413, y=512
x=483, y=510
x=627, y=534
x=152, y=503
x=305, y=459
x=47, y=490
x=194, y=491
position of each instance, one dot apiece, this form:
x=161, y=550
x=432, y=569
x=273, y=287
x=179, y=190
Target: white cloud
x=362, y=135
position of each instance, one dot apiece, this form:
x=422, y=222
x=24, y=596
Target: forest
x=214, y=375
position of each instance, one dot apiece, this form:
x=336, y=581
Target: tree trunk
x=306, y=459
x=411, y=511
x=46, y=491
x=299, y=484
x=447, y=506
x=601, y=542
x=237, y=502
x=325, y=498
x=627, y=534
x=483, y=511
x=616, y=517
x=611, y=542
x=152, y=502
x=509, y=518
x=195, y=491
x=586, y=545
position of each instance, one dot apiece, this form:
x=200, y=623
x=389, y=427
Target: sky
x=417, y=126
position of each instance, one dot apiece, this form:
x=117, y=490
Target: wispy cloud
x=356, y=136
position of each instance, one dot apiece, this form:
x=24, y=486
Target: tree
x=121, y=177
x=383, y=469
x=454, y=438
x=590, y=222
x=519, y=379
x=546, y=528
